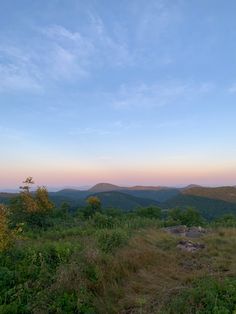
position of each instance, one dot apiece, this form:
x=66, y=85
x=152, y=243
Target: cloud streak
x=157, y=95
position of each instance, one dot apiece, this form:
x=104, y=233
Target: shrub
x=188, y=217
x=226, y=221
x=104, y=221
x=109, y=240
x=149, y=212
x=207, y=296
x=94, y=205
x=6, y=234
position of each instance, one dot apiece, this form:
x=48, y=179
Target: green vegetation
x=97, y=260
x=188, y=217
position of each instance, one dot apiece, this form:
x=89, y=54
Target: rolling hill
x=123, y=201
x=225, y=193
x=209, y=208
x=105, y=187
x=211, y=202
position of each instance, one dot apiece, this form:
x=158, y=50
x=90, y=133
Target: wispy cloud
x=17, y=71
x=157, y=95
x=59, y=53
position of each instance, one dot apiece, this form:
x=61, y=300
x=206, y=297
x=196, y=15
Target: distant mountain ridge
x=224, y=193
x=105, y=187
x=211, y=202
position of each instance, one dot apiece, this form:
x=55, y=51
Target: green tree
x=189, y=217
x=29, y=207
x=149, y=212
x=65, y=209
x=94, y=205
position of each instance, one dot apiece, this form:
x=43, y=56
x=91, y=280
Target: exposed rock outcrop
x=184, y=231
x=189, y=246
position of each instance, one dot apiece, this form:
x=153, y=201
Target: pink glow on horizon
x=122, y=176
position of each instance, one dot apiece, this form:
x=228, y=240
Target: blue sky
x=130, y=92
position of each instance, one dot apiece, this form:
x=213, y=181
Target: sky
x=126, y=92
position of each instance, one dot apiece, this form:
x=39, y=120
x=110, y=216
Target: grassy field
x=117, y=265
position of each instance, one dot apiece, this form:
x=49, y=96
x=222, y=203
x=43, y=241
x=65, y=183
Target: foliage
x=103, y=221
x=6, y=234
x=94, y=202
x=108, y=240
x=65, y=209
x=206, y=296
x=94, y=205
x=226, y=221
x=149, y=212
x=31, y=208
x=188, y=217
x=108, y=261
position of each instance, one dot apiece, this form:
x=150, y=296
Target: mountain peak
x=104, y=187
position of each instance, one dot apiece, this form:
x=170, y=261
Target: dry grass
x=143, y=276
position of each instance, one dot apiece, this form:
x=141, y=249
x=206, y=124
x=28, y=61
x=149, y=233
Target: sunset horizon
x=131, y=98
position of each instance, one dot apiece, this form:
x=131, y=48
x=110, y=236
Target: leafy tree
x=94, y=202
x=29, y=207
x=94, y=205
x=191, y=217
x=149, y=212
x=42, y=200
x=112, y=212
x=175, y=215
x=65, y=208
x=188, y=217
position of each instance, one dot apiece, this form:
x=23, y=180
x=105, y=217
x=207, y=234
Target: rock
x=182, y=230
x=189, y=246
x=195, y=232
x=177, y=230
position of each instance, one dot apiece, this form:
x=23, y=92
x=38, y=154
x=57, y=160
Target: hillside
x=161, y=195
x=226, y=193
x=211, y=202
x=123, y=201
x=210, y=208
x=5, y=197
x=104, y=187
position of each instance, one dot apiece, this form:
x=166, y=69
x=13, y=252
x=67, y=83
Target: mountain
x=225, y=193
x=6, y=197
x=160, y=195
x=104, y=187
x=143, y=188
x=211, y=202
x=123, y=201
x=190, y=186
x=209, y=208
x=71, y=196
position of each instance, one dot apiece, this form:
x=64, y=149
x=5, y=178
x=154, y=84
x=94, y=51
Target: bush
x=103, y=221
x=109, y=240
x=226, y=221
x=7, y=235
x=188, y=217
x=149, y=212
x=207, y=296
